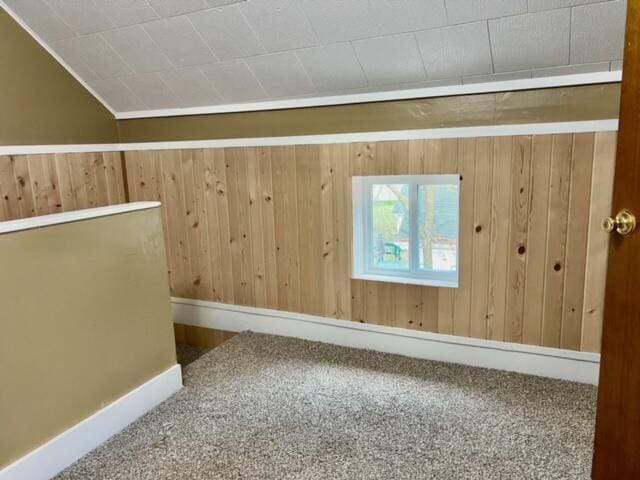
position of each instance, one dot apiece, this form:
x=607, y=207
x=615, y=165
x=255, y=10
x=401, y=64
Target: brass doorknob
x=624, y=222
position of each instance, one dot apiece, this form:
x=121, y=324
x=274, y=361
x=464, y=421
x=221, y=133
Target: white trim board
x=384, y=96
x=58, y=453
x=570, y=365
x=41, y=221
x=392, y=135
x=57, y=57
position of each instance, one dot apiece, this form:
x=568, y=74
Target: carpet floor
x=266, y=407
x=187, y=354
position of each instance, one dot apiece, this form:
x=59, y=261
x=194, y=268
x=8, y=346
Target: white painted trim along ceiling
x=547, y=128
x=155, y=57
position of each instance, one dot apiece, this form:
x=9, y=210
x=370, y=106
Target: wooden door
x=617, y=440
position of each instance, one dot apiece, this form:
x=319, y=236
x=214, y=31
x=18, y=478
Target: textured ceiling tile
x=572, y=69
x=73, y=54
x=192, y=86
x=394, y=59
x=221, y=3
x=336, y=20
x=424, y=14
x=433, y=83
x=538, y=5
x=461, y=11
x=461, y=50
x=126, y=12
x=41, y=18
x=137, y=49
x=95, y=53
x=406, y=86
x=281, y=74
x=279, y=24
x=177, y=38
x=339, y=20
x=314, y=35
x=333, y=67
x=530, y=41
x=83, y=16
x=234, y=81
x=150, y=88
x=597, y=32
x=117, y=95
x=497, y=77
x=171, y=8
x=227, y=32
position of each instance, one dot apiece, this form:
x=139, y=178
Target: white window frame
x=363, y=225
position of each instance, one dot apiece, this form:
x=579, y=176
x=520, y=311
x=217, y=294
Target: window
x=406, y=229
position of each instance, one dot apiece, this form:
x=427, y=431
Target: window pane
x=390, y=226
x=438, y=227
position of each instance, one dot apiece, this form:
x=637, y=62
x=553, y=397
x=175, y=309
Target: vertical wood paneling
x=239, y=206
x=265, y=197
x=429, y=305
x=499, y=241
x=286, y=223
x=328, y=234
x=271, y=226
x=172, y=189
x=598, y=241
x=42, y=184
x=577, y=230
x=342, y=217
x=481, y=237
x=310, y=226
x=220, y=197
x=200, y=229
x=194, y=252
x=36, y=173
x=519, y=225
x=559, y=190
x=462, y=296
x=9, y=199
x=358, y=301
x=24, y=187
x=65, y=185
x=537, y=239
x=213, y=225
x=255, y=217
x=201, y=337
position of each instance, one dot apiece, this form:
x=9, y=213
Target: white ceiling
x=142, y=55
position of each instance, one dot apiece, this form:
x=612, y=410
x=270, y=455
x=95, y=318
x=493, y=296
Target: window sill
x=427, y=282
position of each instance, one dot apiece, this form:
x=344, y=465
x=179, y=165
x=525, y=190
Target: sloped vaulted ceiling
x=143, y=55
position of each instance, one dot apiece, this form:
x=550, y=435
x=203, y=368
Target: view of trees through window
x=436, y=219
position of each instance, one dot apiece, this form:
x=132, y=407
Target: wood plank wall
x=271, y=227
x=33, y=185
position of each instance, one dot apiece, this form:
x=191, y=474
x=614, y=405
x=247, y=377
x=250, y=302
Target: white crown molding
x=58, y=453
x=393, y=135
x=384, y=96
x=59, y=59
x=570, y=365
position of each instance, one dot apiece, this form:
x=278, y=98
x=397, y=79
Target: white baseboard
x=570, y=365
x=58, y=453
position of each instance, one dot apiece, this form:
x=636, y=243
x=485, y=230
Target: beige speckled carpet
x=265, y=407
x=188, y=354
